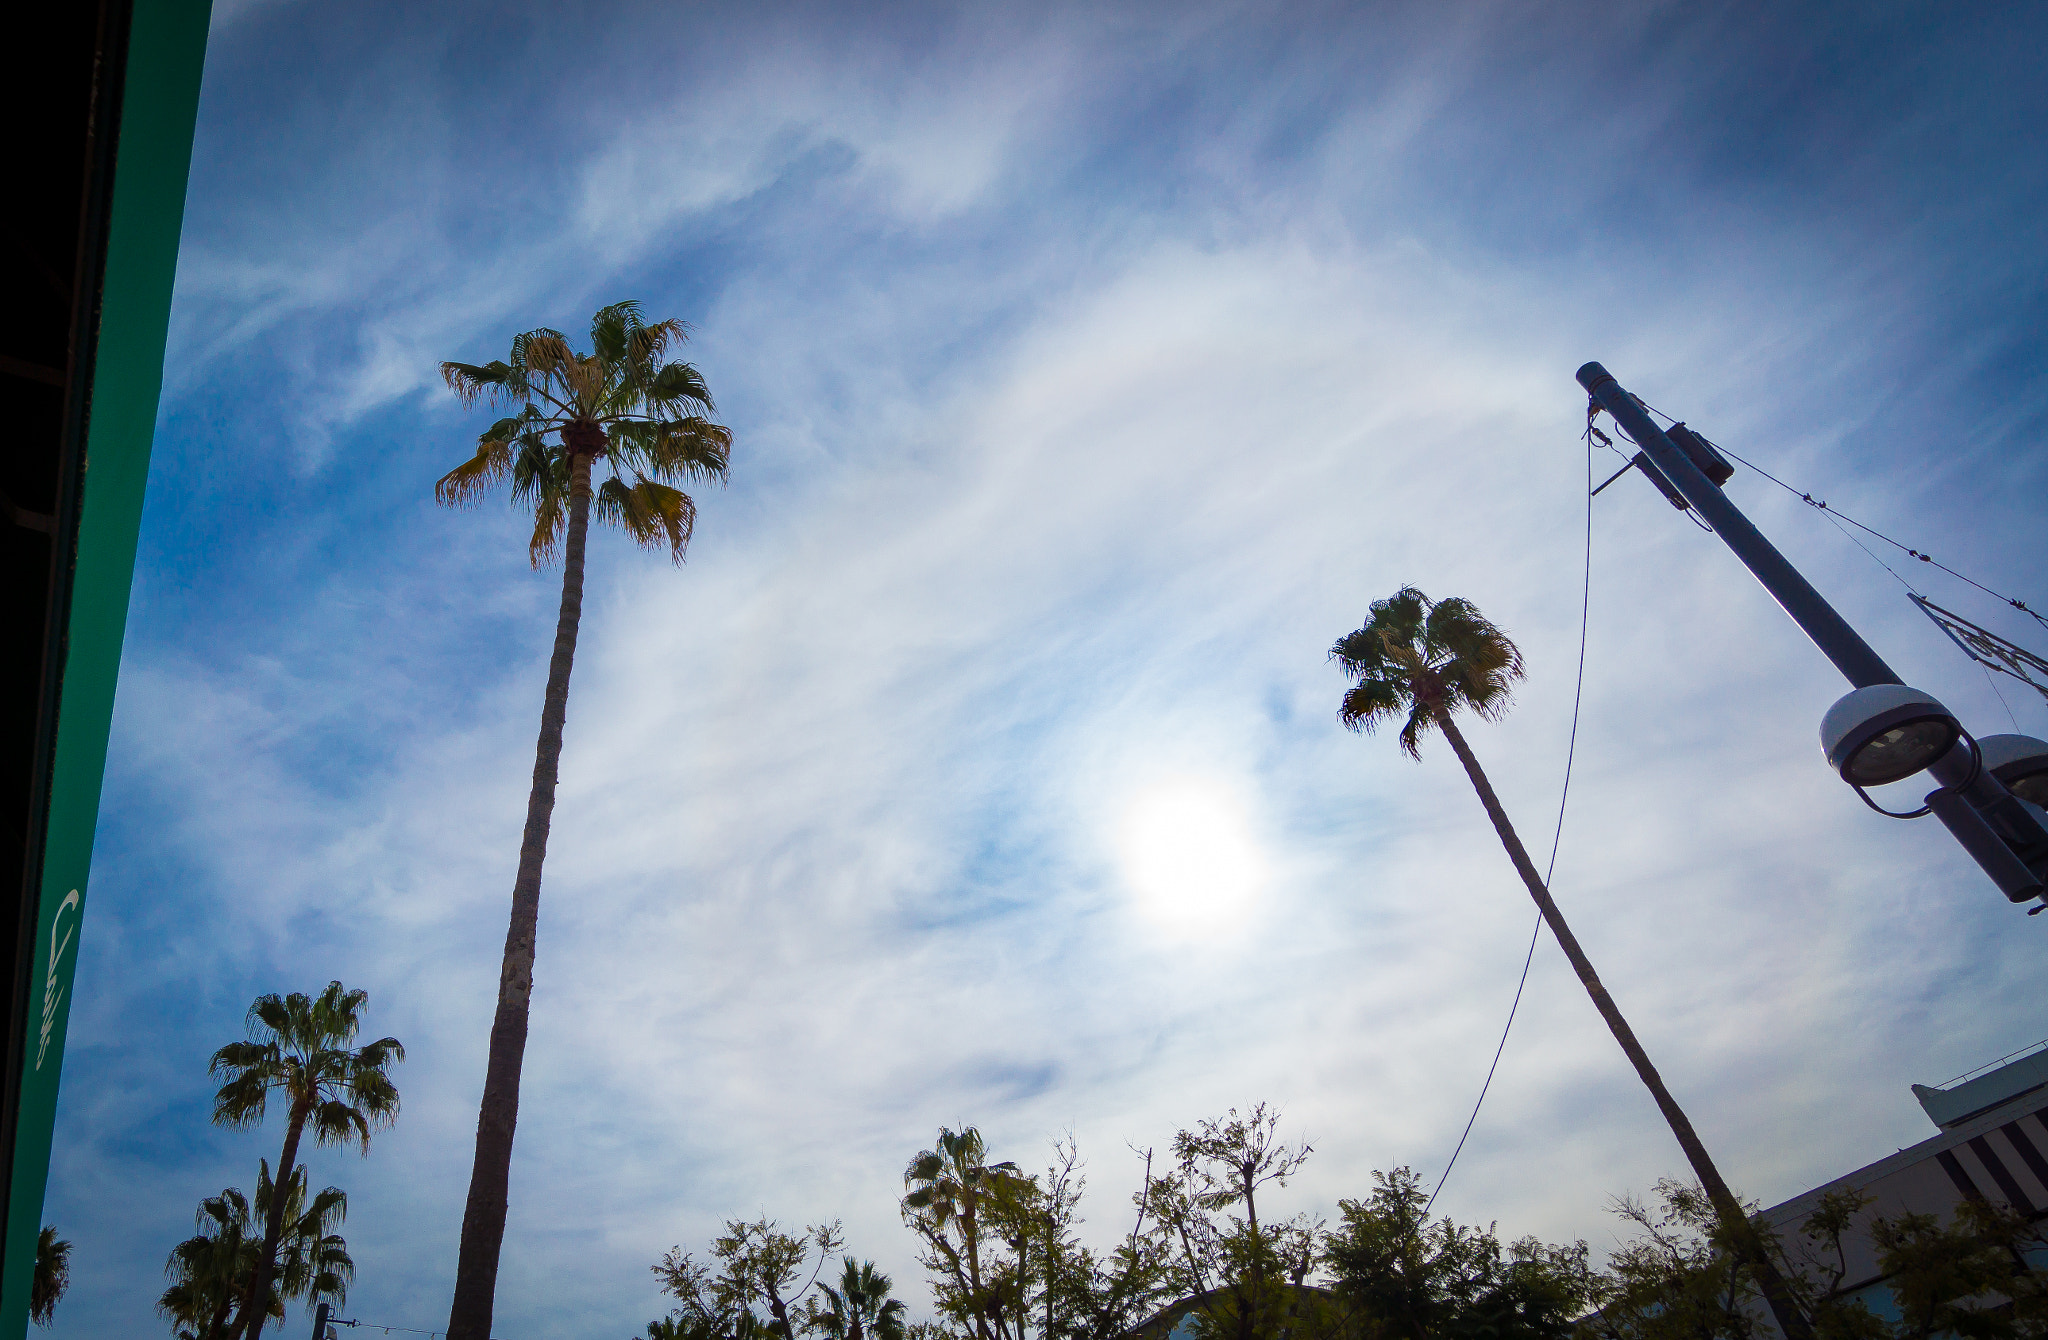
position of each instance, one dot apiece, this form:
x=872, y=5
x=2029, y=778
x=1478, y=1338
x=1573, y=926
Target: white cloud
x=1024, y=520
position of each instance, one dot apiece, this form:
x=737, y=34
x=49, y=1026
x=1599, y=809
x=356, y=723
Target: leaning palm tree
x=1420, y=662
x=625, y=404
x=299, y=1049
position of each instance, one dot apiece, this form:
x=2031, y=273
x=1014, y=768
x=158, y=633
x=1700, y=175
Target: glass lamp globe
x=1885, y=733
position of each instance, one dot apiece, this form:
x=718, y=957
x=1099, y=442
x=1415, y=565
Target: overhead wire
x=1988, y=679
x=1838, y=518
x=1836, y=521
x=1557, y=835
x=380, y=1326
x=1821, y=505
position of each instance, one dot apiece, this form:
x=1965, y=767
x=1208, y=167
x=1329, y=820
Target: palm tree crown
x=946, y=1184
x=52, y=1277
x=622, y=403
x=1426, y=659
x=301, y=1051
x=861, y=1308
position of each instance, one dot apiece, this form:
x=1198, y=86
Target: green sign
x=159, y=102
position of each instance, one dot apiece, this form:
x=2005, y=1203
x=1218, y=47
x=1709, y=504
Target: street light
x=1885, y=733
x=2021, y=762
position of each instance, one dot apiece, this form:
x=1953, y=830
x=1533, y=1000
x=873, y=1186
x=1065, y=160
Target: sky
x=1091, y=369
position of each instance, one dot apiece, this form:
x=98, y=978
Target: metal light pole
x=320, y=1315
x=1993, y=826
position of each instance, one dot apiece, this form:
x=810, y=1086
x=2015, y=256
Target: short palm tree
x=211, y=1271
x=52, y=1277
x=860, y=1308
x=1421, y=662
x=313, y=1262
x=945, y=1190
x=299, y=1049
x=625, y=404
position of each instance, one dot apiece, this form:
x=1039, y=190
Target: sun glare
x=1189, y=856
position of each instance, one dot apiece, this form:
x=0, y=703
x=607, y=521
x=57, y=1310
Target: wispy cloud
x=1084, y=396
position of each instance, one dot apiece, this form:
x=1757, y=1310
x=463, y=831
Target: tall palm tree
x=623, y=403
x=52, y=1277
x=299, y=1049
x=1421, y=662
x=861, y=1308
x=945, y=1190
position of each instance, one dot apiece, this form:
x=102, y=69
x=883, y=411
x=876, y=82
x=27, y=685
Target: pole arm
x=1840, y=643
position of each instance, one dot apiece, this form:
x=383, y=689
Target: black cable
x=1820, y=505
x=380, y=1326
x=1836, y=522
x=2001, y=696
x=1557, y=836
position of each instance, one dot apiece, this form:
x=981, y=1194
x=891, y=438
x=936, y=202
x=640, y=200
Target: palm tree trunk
x=1748, y=1241
x=217, y=1328
x=256, y=1306
x=483, y=1219
x=973, y=1239
x=1247, y=1312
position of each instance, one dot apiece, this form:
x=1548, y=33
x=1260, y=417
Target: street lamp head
x=2021, y=762
x=1886, y=733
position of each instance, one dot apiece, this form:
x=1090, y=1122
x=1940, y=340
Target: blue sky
x=1090, y=371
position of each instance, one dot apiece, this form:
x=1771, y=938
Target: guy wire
x=1557, y=836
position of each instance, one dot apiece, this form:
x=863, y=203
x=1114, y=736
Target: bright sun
x=1189, y=856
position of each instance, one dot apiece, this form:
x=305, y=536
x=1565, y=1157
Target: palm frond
x=370, y=1085
x=655, y=413
x=542, y=351
x=467, y=483
x=382, y=1052
x=585, y=380
x=338, y=1013
x=691, y=448
x=1420, y=718
x=240, y=1102
x=274, y=1012
x=537, y=470
x=1370, y=703
x=550, y=519
x=680, y=386
x=612, y=327
x=336, y=1122
x=651, y=513
x=471, y=381
x=674, y=451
